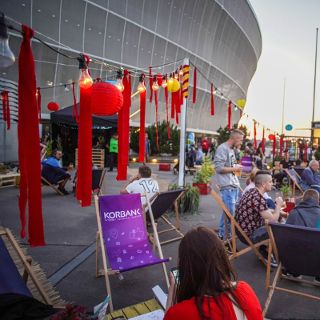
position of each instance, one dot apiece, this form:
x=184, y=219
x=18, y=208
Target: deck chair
x=97, y=180
x=122, y=237
x=295, y=179
x=20, y=275
x=235, y=226
x=296, y=249
x=160, y=205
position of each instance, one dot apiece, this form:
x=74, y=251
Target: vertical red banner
x=84, y=176
x=229, y=115
x=142, y=133
x=263, y=142
x=254, y=134
x=212, y=100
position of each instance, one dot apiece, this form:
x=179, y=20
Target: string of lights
x=117, y=73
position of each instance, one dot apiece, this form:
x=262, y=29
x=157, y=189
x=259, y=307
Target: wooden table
x=135, y=310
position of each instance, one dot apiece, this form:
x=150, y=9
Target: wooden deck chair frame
x=172, y=227
x=234, y=225
x=293, y=181
x=103, y=174
x=107, y=271
x=272, y=249
x=32, y=271
x=46, y=182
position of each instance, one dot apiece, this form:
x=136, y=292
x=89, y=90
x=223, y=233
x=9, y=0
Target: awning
x=64, y=116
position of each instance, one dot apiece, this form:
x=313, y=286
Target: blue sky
x=288, y=47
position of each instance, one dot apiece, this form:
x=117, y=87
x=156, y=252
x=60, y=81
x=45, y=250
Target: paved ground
x=70, y=235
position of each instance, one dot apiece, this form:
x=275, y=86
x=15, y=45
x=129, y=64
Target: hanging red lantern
x=106, y=99
x=53, y=106
x=271, y=136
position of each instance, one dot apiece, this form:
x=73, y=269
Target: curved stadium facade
x=222, y=38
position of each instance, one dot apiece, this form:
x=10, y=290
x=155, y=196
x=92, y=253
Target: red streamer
x=142, y=133
x=281, y=146
x=157, y=114
x=167, y=111
x=254, y=134
x=262, y=142
x=229, y=115
x=274, y=146
x=6, y=108
x=150, y=84
x=194, y=96
x=123, y=128
x=28, y=136
x=75, y=113
x=84, y=176
x=212, y=100
x=175, y=105
x=39, y=103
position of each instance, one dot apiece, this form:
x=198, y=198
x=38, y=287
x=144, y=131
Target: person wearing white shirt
x=142, y=183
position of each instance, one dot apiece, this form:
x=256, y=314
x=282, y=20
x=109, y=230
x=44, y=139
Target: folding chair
x=235, y=226
x=47, y=183
x=295, y=179
x=296, y=249
x=123, y=237
x=20, y=275
x=97, y=180
x=160, y=205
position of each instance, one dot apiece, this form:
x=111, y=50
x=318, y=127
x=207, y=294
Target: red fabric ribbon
x=157, y=115
x=28, y=136
x=167, y=111
x=142, y=133
x=175, y=105
x=229, y=115
x=274, y=146
x=84, y=176
x=6, y=108
x=281, y=146
x=123, y=128
x=212, y=100
x=150, y=84
x=194, y=96
x=262, y=142
x=75, y=113
x=254, y=134
x=39, y=103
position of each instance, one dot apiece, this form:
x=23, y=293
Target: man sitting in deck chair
x=53, y=172
x=252, y=211
x=309, y=176
x=142, y=183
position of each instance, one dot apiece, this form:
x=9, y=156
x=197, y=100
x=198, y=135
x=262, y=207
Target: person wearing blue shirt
x=309, y=176
x=53, y=171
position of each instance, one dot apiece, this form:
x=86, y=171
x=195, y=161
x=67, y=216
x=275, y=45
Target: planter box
x=204, y=188
x=164, y=167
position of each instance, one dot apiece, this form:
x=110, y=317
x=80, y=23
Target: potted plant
x=203, y=176
x=286, y=191
x=190, y=200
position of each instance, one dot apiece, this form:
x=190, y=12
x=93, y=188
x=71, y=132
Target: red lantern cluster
x=106, y=99
x=53, y=106
x=271, y=136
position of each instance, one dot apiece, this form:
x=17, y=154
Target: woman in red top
x=206, y=288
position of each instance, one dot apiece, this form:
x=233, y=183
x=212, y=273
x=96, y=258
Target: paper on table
x=154, y=315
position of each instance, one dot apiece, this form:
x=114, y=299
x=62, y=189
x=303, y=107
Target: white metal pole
x=183, y=137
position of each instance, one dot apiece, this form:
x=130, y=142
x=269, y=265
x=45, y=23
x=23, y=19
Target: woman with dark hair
x=206, y=288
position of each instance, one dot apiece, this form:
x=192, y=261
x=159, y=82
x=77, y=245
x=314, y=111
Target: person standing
x=147, y=148
x=113, y=151
x=226, y=175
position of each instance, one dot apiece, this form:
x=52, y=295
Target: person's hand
x=172, y=291
x=237, y=168
x=279, y=202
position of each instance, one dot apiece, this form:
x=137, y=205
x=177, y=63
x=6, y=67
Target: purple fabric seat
x=124, y=233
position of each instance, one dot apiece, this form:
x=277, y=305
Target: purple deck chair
x=123, y=236
x=296, y=249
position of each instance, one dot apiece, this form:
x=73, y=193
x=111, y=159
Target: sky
x=288, y=30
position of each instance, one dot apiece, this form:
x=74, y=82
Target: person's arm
x=219, y=161
x=273, y=215
x=171, y=292
x=126, y=188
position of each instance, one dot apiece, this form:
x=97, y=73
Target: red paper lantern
x=53, y=106
x=106, y=99
x=271, y=136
